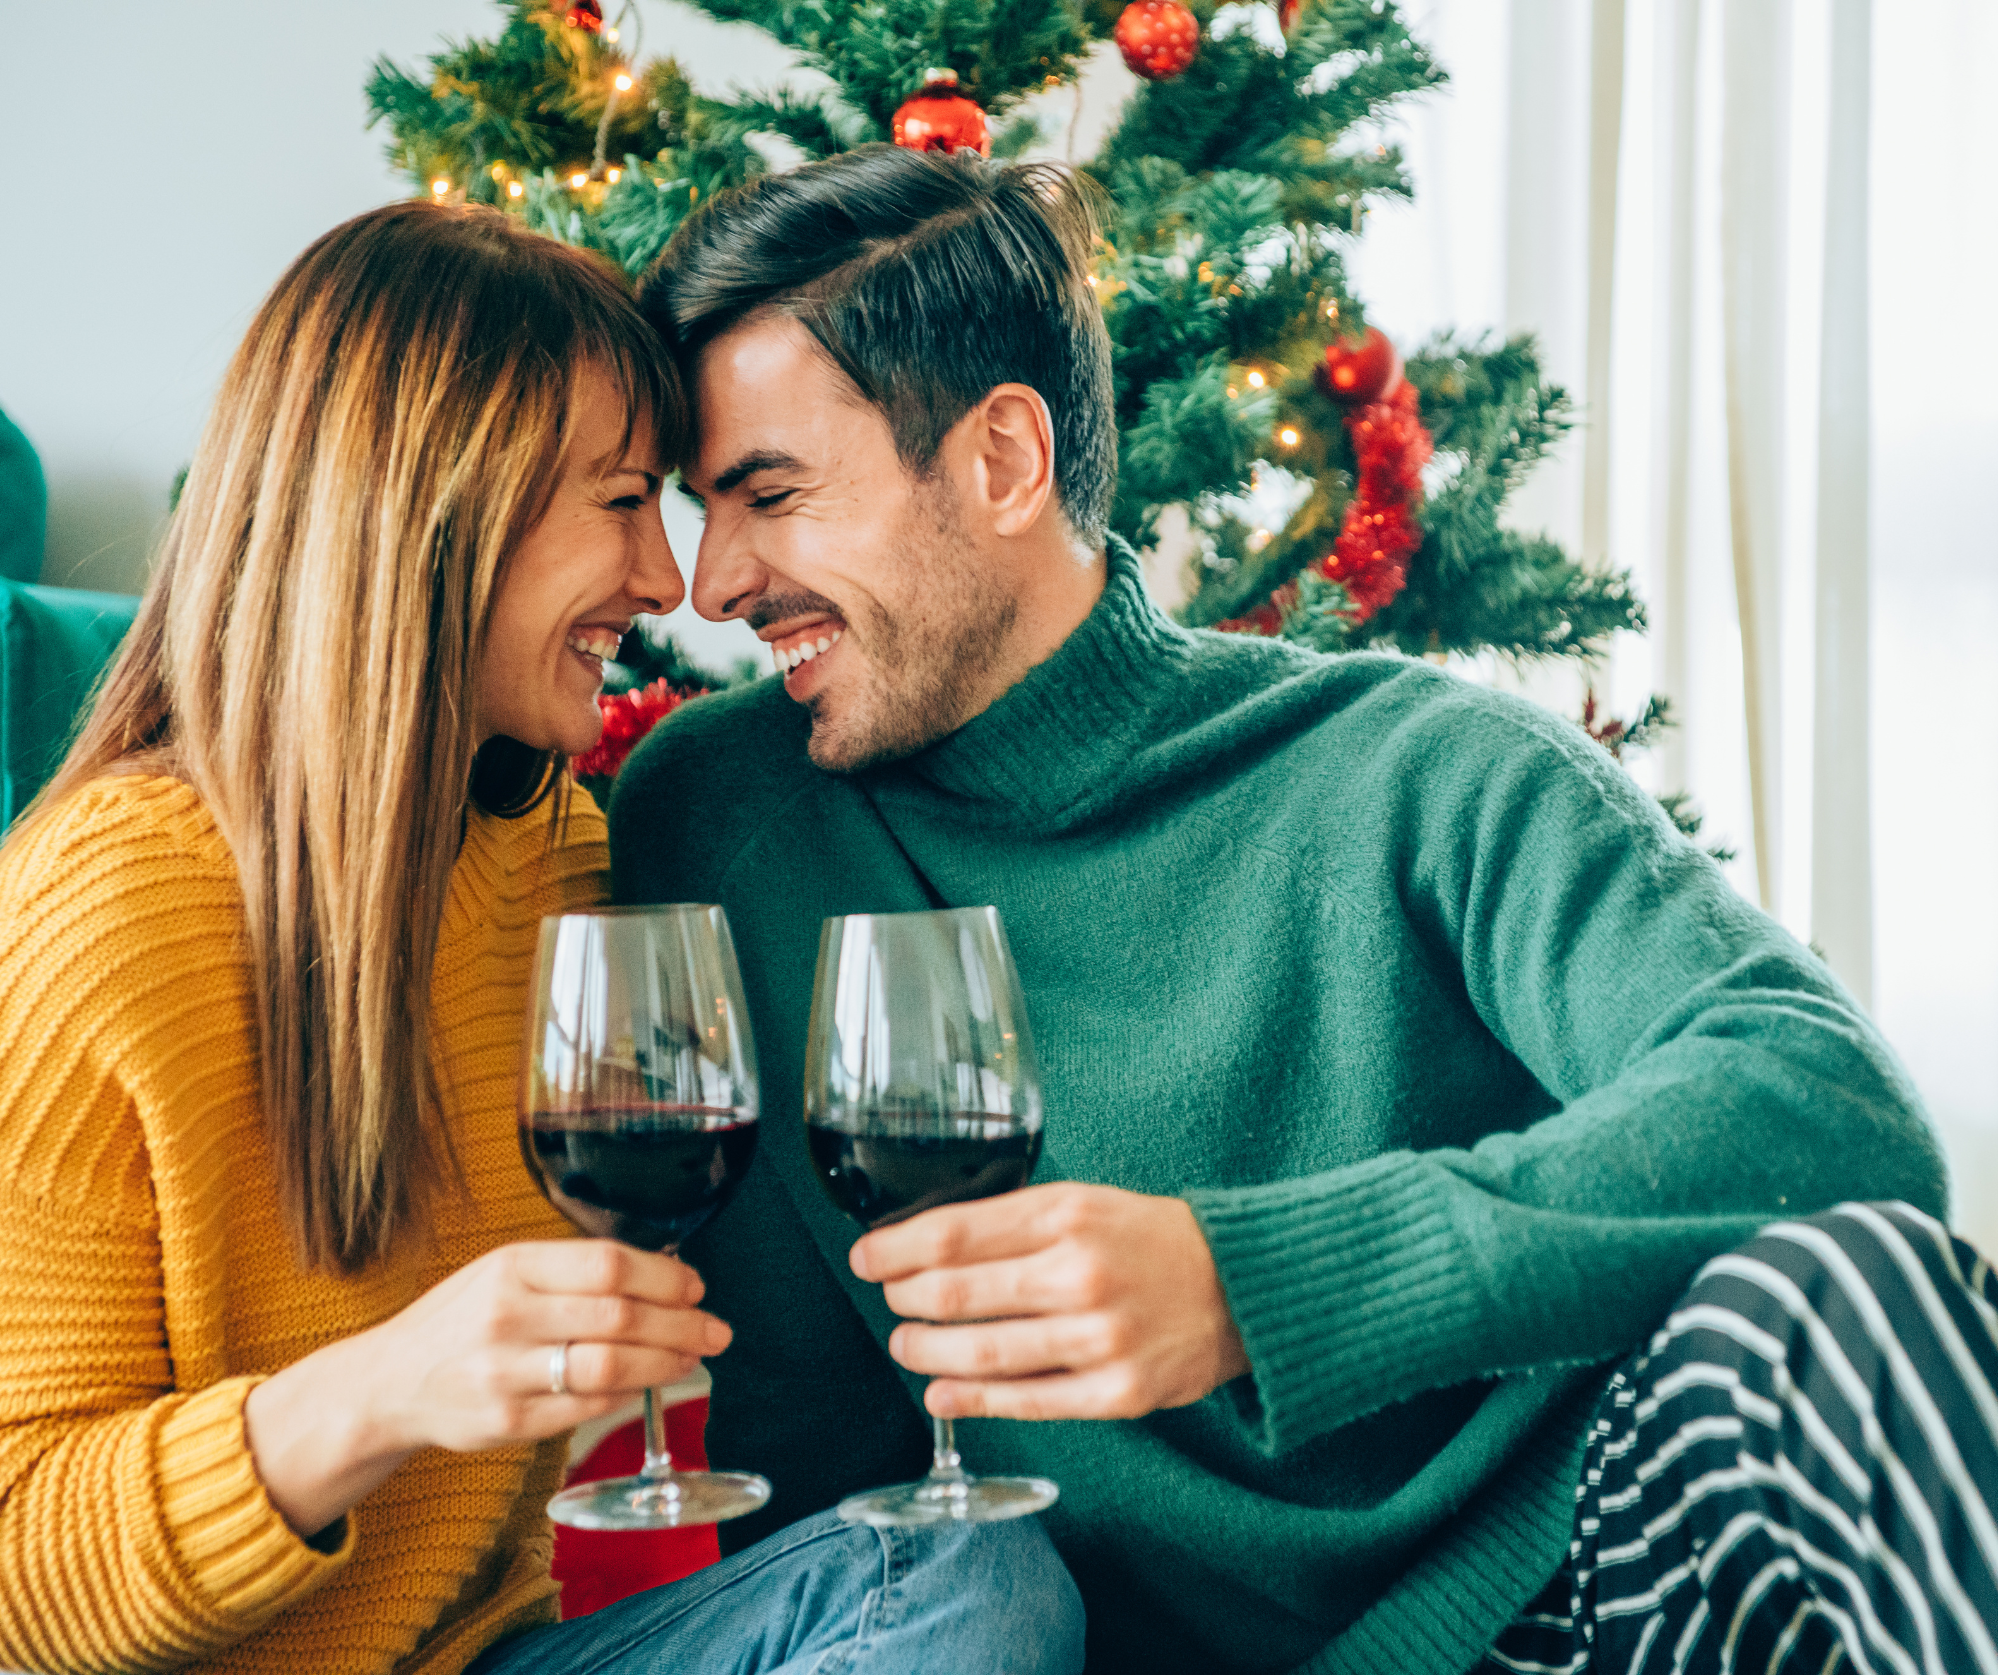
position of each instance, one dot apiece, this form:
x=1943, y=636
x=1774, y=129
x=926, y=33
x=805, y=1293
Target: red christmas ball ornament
x=1358, y=370
x=1158, y=38
x=1287, y=11
x=586, y=15
x=940, y=119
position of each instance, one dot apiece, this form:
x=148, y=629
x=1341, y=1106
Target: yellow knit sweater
x=146, y=1283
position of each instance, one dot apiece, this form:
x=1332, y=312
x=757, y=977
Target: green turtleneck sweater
x=1463, y=1057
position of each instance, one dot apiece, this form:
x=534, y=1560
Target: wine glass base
x=970, y=1500
x=659, y=1503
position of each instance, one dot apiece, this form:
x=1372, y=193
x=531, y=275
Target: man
x=1402, y=1066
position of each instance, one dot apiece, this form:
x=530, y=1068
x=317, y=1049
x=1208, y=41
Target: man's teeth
x=805, y=650
x=600, y=643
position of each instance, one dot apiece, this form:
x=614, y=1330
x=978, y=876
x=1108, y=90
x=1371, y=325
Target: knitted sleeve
x=1711, y=1076
x=134, y=1532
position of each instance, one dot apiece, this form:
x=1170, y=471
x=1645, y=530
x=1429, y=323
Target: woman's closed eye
x=763, y=502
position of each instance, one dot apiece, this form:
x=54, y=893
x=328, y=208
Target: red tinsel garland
x=1380, y=532
x=628, y=717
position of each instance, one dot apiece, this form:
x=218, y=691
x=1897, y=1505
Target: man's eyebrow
x=750, y=464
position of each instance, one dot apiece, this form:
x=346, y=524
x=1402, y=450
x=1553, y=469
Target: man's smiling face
x=857, y=572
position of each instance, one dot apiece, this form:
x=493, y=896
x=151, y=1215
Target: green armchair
x=54, y=641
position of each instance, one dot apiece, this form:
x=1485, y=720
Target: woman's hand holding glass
x=638, y=1106
x=467, y=1367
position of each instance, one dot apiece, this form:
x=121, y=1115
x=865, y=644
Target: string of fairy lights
x=587, y=16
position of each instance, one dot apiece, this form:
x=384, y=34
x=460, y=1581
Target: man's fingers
x=1008, y=1348
x=1102, y=1393
x=991, y=1230
x=602, y=1267
x=1048, y=1282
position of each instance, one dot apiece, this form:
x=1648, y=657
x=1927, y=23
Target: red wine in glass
x=638, y=1112
x=921, y=1090
x=882, y=1178
x=648, y=1175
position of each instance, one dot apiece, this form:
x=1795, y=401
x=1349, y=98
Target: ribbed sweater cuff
x=234, y=1544
x=1351, y=1290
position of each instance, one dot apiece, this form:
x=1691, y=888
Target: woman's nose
x=655, y=581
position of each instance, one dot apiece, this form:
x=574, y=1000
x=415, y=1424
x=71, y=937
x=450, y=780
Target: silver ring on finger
x=558, y=1370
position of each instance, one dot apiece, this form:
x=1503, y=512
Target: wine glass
x=921, y=1089
x=638, y=1121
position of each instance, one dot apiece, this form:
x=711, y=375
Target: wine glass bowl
x=641, y=1175
x=921, y=1090
x=882, y=1178
x=638, y=1122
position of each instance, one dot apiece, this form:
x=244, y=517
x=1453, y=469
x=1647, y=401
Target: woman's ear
x=1014, y=437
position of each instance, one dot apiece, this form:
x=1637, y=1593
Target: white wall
x=126, y=282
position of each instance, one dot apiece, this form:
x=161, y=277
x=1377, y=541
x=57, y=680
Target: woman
x=277, y=1296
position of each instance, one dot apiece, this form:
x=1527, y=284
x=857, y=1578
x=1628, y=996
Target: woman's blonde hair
x=305, y=656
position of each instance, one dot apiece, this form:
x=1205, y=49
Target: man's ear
x=1013, y=462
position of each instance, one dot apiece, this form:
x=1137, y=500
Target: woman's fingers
x=602, y=1268
x=593, y=1370
x=471, y=1363
x=542, y=1318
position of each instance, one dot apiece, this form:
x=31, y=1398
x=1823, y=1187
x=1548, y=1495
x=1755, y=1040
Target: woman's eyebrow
x=626, y=468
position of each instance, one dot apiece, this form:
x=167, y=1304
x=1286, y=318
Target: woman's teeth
x=805, y=650
x=600, y=643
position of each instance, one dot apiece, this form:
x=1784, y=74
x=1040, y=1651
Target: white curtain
x=1756, y=239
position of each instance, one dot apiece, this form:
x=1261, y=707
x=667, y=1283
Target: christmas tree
x=1319, y=487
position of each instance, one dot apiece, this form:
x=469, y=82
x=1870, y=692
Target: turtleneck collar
x=1056, y=741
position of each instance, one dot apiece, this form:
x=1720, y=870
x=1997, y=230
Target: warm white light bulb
x=513, y=188
x=1287, y=437
x=623, y=82
x=440, y=186
x=613, y=175
x=1255, y=380
x=578, y=180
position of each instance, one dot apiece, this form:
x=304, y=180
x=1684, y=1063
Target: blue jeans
x=826, y=1598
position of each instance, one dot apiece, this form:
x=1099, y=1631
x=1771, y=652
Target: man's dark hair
x=928, y=279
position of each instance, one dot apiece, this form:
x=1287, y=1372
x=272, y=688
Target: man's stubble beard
x=924, y=661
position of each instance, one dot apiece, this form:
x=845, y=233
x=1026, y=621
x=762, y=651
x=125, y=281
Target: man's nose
x=727, y=574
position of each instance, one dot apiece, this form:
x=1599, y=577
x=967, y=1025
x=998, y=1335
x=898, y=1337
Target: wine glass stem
x=658, y=1458
x=658, y=1461
x=946, y=1467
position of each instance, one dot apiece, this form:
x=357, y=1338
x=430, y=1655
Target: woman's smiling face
x=597, y=558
